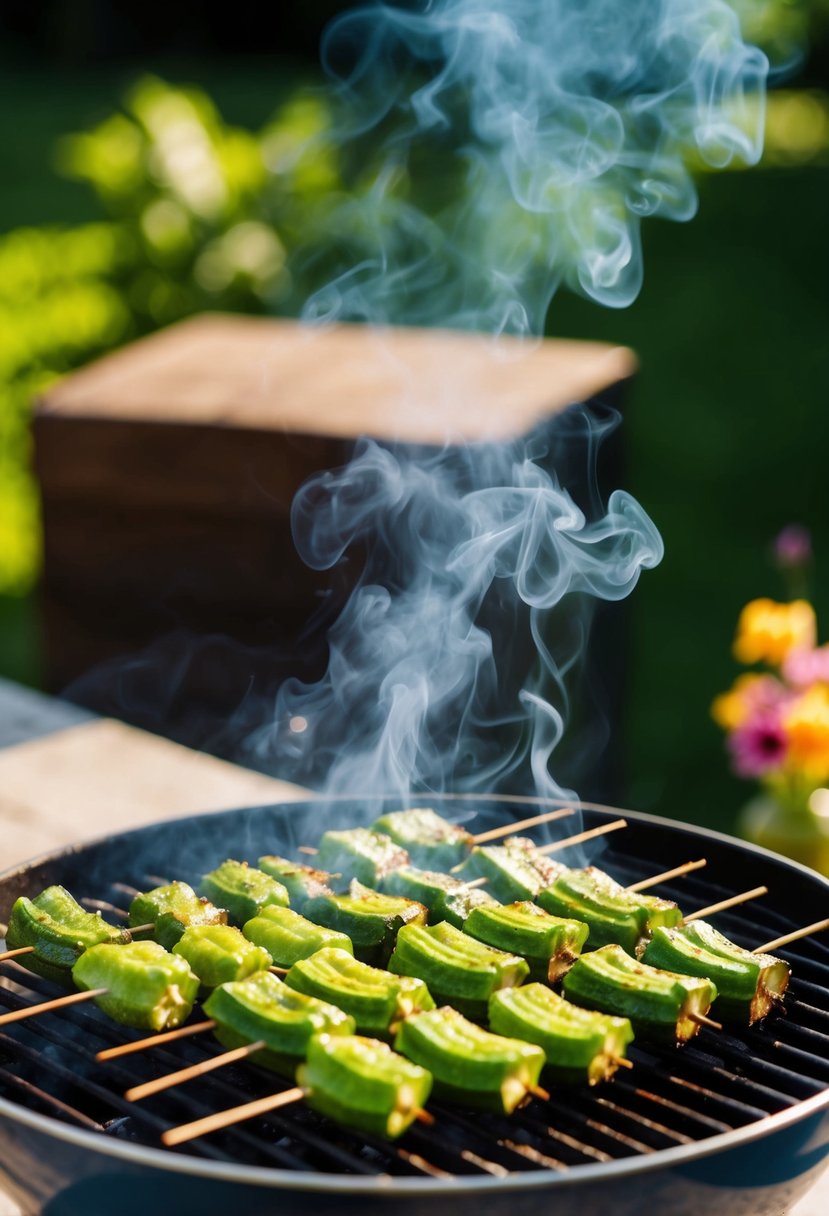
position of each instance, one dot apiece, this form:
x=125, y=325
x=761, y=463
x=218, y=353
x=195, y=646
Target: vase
x=801, y=834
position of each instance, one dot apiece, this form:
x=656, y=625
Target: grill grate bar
x=49, y=1100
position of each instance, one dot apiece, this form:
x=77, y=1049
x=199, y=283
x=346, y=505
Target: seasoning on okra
x=301, y=882
x=470, y=1066
x=363, y=1084
x=550, y=944
x=581, y=1045
x=173, y=908
x=242, y=889
x=376, y=999
x=615, y=916
x=359, y=853
x=288, y=937
x=457, y=968
x=370, y=919
x=749, y=985
x=219, y=954
x=262, y=1007
x=456, y=906
x=146, y=987
x=430, y=840
x=660, y=1004
x=514, y=870
x=59, y=930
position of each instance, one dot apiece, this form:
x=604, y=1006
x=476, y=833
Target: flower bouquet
x=777, y=722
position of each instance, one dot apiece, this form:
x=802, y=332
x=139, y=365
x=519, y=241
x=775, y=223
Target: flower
x=768, y=631
x=806, y=724
x=748, y=694
x=804, y=667
x=759, y=746
x=792, y=547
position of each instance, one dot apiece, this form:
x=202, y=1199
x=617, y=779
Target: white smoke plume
x=523, y=142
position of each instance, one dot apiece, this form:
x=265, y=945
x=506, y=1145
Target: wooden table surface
x=66, y=776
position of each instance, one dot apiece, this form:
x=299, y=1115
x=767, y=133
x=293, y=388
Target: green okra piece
x=242, y=889
x=457, y=968
x=376, y=999
x=359, y=853
x=550, y=944
x=615, y=916
x=426, y=887
x=363, y=1084
x=262, y=1007
x=456, y=906
x=514, y=870
x=430, y=840
x=288, y=937
x=471, y=1066
x=581, y=1045
x=146, y=987
x=171, y=909
x=660, y=1004
x=748, y=985
x=218, y=954
x=370, y=919
x=301, y=882
x=60, y=930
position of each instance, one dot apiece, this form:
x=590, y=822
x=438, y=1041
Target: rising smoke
x=523, y=142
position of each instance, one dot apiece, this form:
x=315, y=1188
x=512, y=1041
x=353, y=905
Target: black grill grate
x=672, y=1097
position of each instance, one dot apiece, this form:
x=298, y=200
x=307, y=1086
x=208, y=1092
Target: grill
x=677, y=1120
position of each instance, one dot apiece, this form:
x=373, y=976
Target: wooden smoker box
x=167, y=472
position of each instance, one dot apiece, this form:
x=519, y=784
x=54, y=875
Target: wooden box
x=172, y=594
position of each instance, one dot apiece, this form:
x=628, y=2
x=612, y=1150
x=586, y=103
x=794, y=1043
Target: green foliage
x=201, y=216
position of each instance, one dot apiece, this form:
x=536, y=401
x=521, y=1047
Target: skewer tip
x=702, y=1020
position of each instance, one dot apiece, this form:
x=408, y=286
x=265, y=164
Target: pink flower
x=792, y=547
x=803, y=668
x=758, y=746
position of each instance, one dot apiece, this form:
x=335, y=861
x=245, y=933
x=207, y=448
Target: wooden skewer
x=509, y=829
x=306, y=848
x=621, y=1061
x=754, y=893
x=31, y=1011
x=141, y=929
x=602, y=830
x=279, y=970
x=538, y=1092
x=676, y=872
x=153, y=1040
x=702, y=1020
x=423, y=1116
x=817, y=927
x=195, y=1070
x=476, y=882
x=235, y=1114
x=14, y=953
x=103, y=905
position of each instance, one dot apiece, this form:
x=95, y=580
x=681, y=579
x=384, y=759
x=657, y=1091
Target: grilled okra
x=748, y=985
x=146, y=987
x=363, y=1084
x=615, y=916
x=581, y=1045
x=550, y=944
x=301, y=882
x=218, y=954
x=375, y=999
x=262, y=1008
x=288, y=937
x=430, y=840
x=456, y=906
x=514, y=870
x=242, y=889
x=359, y=853
x=370, y=919
x=457, y=968
x=470, y=1066
x=60, y=930
x=171, y=909
x=660, y=1004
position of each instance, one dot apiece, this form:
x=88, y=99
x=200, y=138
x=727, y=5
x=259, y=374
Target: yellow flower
x=806, y=723
x=731, y=709
x=767, y=631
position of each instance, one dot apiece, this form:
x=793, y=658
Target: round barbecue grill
x=737, y=1120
